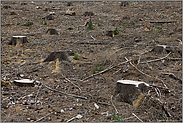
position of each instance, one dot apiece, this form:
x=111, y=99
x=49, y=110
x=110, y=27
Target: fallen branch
x=71, y=82
x=156, y=59
x=114, y=105
x=43, y=117
x=145, y=73
x=162, y=21
x=137, y=117
x=172, y=76
x=110, y=67
x=65, y=93
x=93, y=38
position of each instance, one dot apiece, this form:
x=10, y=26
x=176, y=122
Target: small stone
x=28, y=119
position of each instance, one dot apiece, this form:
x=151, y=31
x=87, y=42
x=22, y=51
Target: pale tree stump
x=17, y=40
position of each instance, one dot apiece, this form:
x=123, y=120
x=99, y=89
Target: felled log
x=16, y=40
x=130, y=91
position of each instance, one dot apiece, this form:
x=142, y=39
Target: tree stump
x=16, y=40
x=130, y=91
x=162, y=49
x=61, y=55
x=52, y=32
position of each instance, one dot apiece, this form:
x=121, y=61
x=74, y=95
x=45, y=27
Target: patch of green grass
x=116, y=32
x=134, y=27
x=76, y=56
x=150, y=37
x=159, y=27
x=70, y=28
x=121, y=30
x=79, y=27
x=136, y=19
x=41, y=22
x=45, y=23
x=18, y=23
x=98, y=69
x=144, y=18
x=117, y=118
x=28, y=24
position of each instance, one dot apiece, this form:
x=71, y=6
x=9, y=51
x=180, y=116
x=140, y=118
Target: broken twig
x=110, y=67
x=71, y=82
x=137, y=117
x=65, y=93
x=145, y=73
x=156, y=59
x=114, y=105
x=43, y=117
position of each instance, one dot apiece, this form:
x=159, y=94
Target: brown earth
x=139, y=33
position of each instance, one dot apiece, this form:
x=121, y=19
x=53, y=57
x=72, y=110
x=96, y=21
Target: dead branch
x=137, y=117
x=162, y=21
x=156, y=59
x=179, y=41
x=114, y=105
x=93, y=38
x=172, y=76
x=71, y=82
x=65, y=93
x=110, y=67
x=43, y=117
x=145, y=73
x=117, y=71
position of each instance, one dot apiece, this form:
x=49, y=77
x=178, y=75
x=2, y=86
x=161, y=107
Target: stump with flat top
x=16, y=40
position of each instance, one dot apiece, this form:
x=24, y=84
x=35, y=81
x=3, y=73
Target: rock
x=16, y=40
x=49, y=17
x=61, y=55
x=52, y=31
x=130, y=91
x=162, y=49
x=71, y=13
x=88, y=14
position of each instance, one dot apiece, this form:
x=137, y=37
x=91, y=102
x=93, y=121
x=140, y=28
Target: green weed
x=159, y=27
x=18, y=23
x=76, y=56
x=117, y=118
x=70, y=28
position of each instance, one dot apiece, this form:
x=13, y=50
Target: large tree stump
x=16, y=40
x=61, y=55
x=130, y=91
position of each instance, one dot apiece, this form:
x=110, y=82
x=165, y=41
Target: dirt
x=142, y=26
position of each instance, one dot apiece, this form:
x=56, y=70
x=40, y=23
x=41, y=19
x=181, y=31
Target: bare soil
x=142, y=26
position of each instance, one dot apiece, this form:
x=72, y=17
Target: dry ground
x=137, y=36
